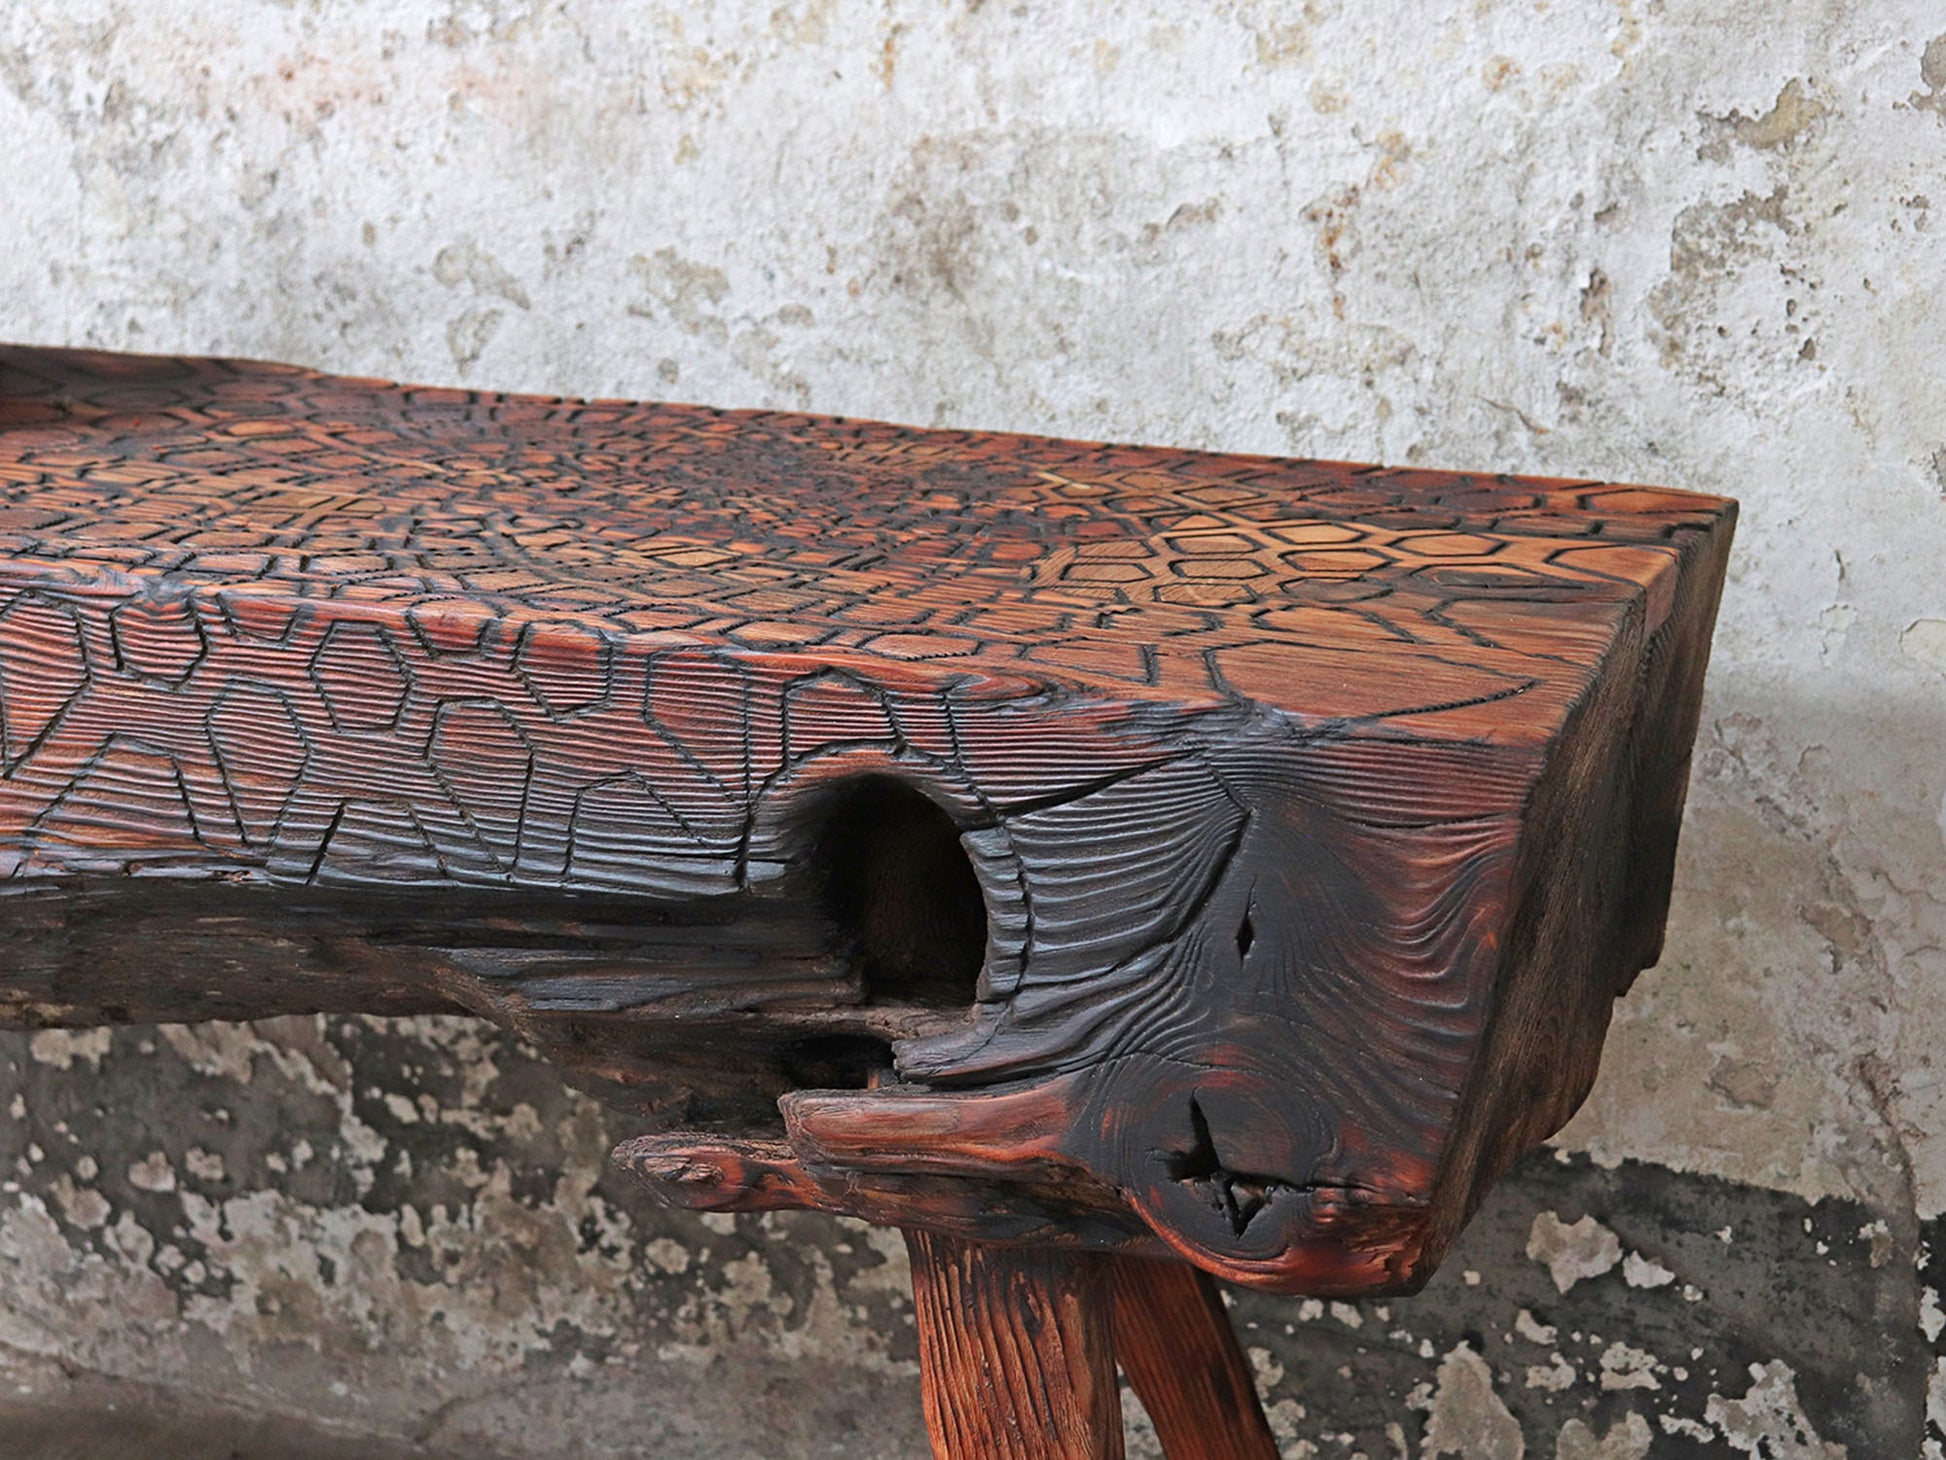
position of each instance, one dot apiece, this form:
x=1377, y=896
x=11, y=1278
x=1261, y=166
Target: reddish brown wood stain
x=1017, y=1351
x=1316, y=813
x=1182, y=1359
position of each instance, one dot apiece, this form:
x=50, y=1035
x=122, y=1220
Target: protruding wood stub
x=1034, y=841
x=1016, y=1351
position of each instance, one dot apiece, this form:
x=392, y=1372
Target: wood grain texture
x=1175, y=1343
x=1016, y=1351
x=1138, y=849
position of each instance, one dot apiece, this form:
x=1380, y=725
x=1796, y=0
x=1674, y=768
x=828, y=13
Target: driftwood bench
x=1112, y=866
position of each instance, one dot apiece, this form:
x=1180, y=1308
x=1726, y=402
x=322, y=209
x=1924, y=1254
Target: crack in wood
x=1237, y=1195
x=1335, y=803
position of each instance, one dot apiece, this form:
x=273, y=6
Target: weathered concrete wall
x=1683, y=243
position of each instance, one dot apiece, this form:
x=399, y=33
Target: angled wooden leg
x=1016, y=1351
x=1182, y=1359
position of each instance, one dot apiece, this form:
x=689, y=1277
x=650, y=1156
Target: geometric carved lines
x=360, y=677
x=565, y=667
x=261, y=751
x=373, y=840
x=485, y=762
x=1342, y=683
x=624, y=837
x=158, y=639
x=703, y=705
x=349, y=750
x=130, y=797
x=43, y=669
x=1117, y=871
x=833, y=707
x=751, y=531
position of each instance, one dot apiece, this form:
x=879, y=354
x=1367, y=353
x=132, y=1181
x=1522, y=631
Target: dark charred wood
x=700, y=1011
x=1131, y=849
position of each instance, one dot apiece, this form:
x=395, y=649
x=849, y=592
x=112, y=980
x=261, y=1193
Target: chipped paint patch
x=1625, y=1367
x=1465, y=1417
x=60, y=1048
x=1572, y=1252
x=1924, y=642
x=1628, y=1438
x=1788, y=118
x=1768, y=1421
x=1643, y=1272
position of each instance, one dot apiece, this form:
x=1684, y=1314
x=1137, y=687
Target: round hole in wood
x=892, y=875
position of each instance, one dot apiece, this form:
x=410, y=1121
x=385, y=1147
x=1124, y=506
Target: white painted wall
x=1684, y=243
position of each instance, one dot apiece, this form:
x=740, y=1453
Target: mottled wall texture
x=1691, y=242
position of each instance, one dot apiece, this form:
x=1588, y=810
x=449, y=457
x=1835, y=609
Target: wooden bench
x=1113, y=866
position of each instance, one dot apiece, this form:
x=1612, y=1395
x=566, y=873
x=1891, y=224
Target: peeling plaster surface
x=1684, y=243
x=257, y=1218
x=1571, y=1252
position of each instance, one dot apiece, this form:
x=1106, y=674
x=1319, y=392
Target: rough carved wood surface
x=1051, y=842
x=1016, y=1351
x=1174, y=1341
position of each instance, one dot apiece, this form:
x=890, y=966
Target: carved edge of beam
x=1427, y=733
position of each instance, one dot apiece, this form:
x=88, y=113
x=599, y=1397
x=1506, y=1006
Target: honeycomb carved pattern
x=517, y=565
x=1316, y=811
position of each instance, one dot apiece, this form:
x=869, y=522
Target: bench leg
x=1016, y=1351
x=1175, y=1343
